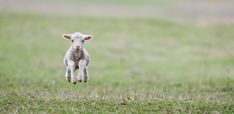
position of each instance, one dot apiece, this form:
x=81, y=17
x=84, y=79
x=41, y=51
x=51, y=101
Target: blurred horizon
x=200, y=12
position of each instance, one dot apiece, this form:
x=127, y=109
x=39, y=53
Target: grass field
x=138, y=65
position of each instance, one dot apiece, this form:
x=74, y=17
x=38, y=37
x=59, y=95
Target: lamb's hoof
x=79, y=80
x=85, y=81
x=74, y=83
x=68, y=80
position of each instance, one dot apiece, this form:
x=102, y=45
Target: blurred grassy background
x=146, y=56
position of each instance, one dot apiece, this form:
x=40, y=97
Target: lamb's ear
x=67, y=36
x=87, y=37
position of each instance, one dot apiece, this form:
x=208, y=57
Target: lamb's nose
x=77, y=47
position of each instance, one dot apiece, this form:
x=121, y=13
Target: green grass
x=138, y=65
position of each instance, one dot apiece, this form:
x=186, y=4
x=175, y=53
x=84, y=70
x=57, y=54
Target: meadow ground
x=141, y=65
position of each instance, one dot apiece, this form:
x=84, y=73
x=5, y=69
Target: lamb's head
x=77, y=40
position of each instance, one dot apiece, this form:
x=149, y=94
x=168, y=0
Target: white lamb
x=77, y=57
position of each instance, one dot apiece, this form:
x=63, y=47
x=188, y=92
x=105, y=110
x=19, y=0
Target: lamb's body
x=77, y=57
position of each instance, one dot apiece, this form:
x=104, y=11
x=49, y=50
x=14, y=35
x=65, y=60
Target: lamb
x=77, y=57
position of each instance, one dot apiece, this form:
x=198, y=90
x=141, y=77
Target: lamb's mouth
x=77, y=49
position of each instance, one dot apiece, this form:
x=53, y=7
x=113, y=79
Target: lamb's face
x=77, y=40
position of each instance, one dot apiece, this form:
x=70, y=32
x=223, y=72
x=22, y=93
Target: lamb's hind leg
x=82, y=66
x=68, y=75
x=86, y=74
x=80, y=74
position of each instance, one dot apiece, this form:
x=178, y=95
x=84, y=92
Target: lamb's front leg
x=71, y=65
x=82, y=65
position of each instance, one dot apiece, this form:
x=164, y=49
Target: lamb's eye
x=82, y=41
x=72, y=41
